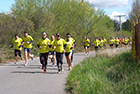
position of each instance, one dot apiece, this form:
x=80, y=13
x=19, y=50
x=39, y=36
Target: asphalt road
x=18, y=79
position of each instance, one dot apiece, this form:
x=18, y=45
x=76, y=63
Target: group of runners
x=102, y=43
x=54, y=48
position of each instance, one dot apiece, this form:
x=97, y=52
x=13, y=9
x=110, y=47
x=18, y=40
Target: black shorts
x=17, y=52
x=52, y=53
x=28, y=50
x=116, y=45
x=96, y=48
x=125, y=44
x=111, y=44
x=67, y=53
x=86, y=46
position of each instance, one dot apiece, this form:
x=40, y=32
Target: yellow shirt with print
x=105, y=41
x=130, y=40
x=27, y=39
x=96, y=43
x=69, y=45
x=86, y=42
x=126, y=41
x=51, y=43
x=44, y=45
x=101, y=43
x=59, y=45
x=116, y=41
x=111, y=41
x=72, y=41
x=17, y=43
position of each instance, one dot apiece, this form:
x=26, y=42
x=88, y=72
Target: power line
x=120, y=20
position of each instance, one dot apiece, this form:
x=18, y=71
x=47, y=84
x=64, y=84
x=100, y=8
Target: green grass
x=102, y=75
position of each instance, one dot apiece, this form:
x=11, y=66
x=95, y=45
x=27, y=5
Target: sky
x=111, y=7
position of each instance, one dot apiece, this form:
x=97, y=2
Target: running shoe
x=32, y=57
x=53, y=65
x=22, y=58
x=45, y=71
x=62, y=69
x=59, y=71
x=16, y=62
x=26, y=64
x=43, y=67
x=72, y=64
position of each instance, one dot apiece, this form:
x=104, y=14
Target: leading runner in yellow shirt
x=43, y=45
x=17, y=47
x=59, y=45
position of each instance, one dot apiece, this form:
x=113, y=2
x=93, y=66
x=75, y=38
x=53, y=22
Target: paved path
x=18, y=79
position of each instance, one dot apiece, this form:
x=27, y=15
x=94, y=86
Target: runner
x=111, y=42
x=86, y=42
x=68, y=50
x=17, y=47
x=43, y=45
x=126, y=41
x=117, y=42
x=52, y=52
x=71, y=38
x=105, y=42
x=101, y=43
x=27, y=44
x=96, y=44
x=122, y=42
x=130, y=40
x=59, y=45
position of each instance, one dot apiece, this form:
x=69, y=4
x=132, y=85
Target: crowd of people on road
x=101, y=43
x=55, y=48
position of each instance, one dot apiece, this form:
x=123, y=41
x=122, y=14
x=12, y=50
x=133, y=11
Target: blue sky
x=111, y=7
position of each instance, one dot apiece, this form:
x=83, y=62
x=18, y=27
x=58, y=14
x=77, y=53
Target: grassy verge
x=105, y=75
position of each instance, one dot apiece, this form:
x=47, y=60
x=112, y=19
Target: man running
x=68, y=50
x=96, y=44
x=105, y=42
x=101, y=43
x=59, y=45
x=17, y=47
x=86, y=42
x=117, y=42
x=126, y=41
x=111, y=42
x=43, y=45
x=52, y=52
x=27, y=44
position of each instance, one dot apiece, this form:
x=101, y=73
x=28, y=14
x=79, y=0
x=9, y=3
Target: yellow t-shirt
x=59, y=45
x=69, y=45
x=86, y=42
x=44, y=45
x=131, y=40
x=17, y=43
x=122, y=40
x=116, y=41
x=27, y=39
x=51, y=43
x=126, y=41
x=101, y=43
x=96, y=43
x=105, y=41
x=111, y=41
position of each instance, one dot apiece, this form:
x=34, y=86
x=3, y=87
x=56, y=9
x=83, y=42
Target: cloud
x=115, y=13
x=109, y=3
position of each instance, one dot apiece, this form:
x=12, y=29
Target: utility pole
x=120, y=20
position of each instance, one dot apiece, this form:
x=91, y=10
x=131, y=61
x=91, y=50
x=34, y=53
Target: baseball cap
x=57, y=34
